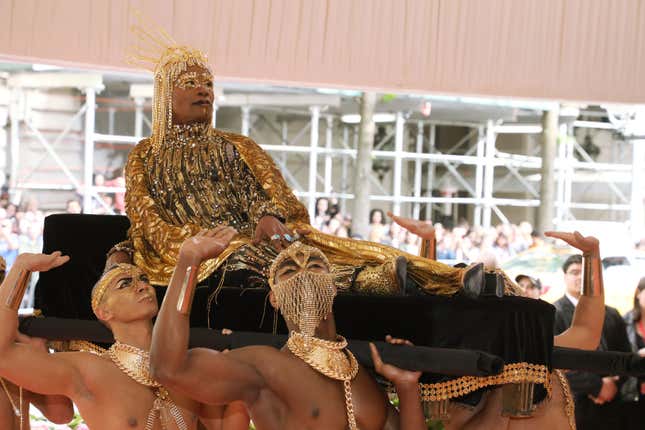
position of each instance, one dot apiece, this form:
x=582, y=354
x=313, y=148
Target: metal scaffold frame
x=475, y=154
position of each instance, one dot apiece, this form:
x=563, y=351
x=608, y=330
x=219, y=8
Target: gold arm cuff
x=17, y=290
x=185, y=300
x=428, y=249
x=592, y=283
x=512, y=374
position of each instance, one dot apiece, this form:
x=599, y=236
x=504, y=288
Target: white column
x=15, y=116
x=344, y=170
x=398, y=162
x=313, y=160
x=570, y=172
x=246, y=120
x=479, y=176
x=416, y=209
x=138, y=117
x=637, y=214
x=88, y=159
x=489, y=173
x=328, y=160
x=430, y=175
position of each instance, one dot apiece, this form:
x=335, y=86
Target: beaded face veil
x=307, y=297
x=158, y=51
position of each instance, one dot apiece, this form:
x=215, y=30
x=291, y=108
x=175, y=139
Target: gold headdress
x=107, y=278
x=158, y=52
x=307, y=297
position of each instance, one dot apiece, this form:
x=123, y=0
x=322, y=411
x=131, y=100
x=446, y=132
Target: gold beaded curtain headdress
x=107, y=278
x=158, y=52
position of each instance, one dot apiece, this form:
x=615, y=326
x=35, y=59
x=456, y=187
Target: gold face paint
x=108, y=279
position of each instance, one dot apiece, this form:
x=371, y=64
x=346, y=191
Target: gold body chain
x=135, y=363
x=17, y=410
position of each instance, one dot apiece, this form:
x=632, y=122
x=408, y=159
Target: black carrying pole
x=452, y=362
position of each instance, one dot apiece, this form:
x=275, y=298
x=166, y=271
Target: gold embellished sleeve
x=280, y=197
x=156, y=242
x=255, y=200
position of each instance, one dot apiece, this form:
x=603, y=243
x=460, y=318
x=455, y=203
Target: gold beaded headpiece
x=98, y=292
x=158, y=52
x=299, y=253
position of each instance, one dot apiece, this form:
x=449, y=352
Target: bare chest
x=114, y=400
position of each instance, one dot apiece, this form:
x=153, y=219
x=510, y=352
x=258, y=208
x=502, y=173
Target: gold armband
x=592, y=283
x=428, y=249
x=17, y=290
x=187, y=290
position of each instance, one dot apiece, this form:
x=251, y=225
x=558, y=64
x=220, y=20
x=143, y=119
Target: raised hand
x=41, y=262
x=396, y=375
x=207, y=244
x=588, y=244
x=423, y=229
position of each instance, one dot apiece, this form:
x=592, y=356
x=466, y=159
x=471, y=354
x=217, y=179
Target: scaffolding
x=411, y=151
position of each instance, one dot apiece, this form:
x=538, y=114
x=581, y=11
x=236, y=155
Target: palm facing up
x=41, y=262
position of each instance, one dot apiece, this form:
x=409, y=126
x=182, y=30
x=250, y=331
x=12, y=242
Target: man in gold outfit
x=188, y=176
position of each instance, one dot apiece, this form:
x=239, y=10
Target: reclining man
x=314, y=382
x=112, y=390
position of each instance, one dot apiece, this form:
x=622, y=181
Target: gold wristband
x=17, y=291
x=592, y=283
x=428, y=249
x=187, y=290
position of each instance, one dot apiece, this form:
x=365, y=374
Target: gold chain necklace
x=330, y=358
x=17, y=410
x=135, y=363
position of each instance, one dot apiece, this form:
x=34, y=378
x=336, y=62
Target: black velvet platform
x=513, y=328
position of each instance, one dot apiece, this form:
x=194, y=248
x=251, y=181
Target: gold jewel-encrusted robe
x=203, y=177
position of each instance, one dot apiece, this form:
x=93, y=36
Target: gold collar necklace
x=135, y=363
x=330, y=358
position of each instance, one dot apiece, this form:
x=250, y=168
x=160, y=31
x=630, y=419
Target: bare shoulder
x=83, y=360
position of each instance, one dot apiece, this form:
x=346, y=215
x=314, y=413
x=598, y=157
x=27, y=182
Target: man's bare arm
x=56, y=408
x=171, y=362
x=406, y=383
x=24, y=365
x=589, y=316
x=229, y=417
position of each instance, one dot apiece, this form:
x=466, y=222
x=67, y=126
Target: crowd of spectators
x=462, y=242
